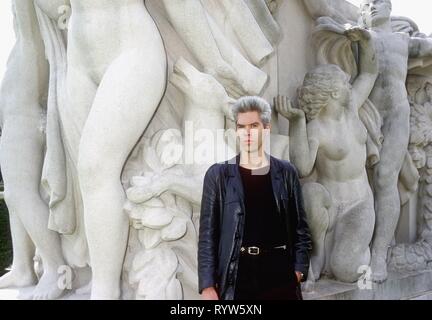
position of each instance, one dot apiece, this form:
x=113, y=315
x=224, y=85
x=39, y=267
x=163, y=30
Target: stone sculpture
x=107, y=116
x=327, y=135
x=114, y=145
x=392, y=103
x=417, y=256
x=23, y=106
x=390, y=97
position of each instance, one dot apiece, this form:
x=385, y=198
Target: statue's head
x=321, y=85
x=252, y=116
x=375, y=12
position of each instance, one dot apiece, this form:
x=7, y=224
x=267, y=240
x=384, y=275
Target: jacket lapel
x=276, y=180
x=234, y=174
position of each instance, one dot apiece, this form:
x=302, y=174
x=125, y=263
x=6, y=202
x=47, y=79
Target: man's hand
x=284, y=107
x=210, y=294
x=299, y=276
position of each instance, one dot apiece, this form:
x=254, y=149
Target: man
x=254, y=240
x=389, y=95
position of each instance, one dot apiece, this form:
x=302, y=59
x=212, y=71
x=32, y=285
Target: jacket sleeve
x=302, y=239
x=209, y=232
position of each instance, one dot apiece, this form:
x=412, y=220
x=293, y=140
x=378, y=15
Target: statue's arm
x=420, y=47
x=302, y=149
x=368, y=66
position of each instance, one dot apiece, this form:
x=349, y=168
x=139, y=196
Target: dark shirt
x=263, y=225
x=267, y=276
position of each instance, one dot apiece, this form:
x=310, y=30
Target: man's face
x=250, y=131
x=376, y=12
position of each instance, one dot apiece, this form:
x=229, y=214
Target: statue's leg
x=352, y=236
x=81, y=91
x=125, y=102
x=22, y=273
x=317, y=205
x=387, y=202
x=22, y=159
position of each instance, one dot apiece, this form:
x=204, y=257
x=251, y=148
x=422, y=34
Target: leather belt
x=255, y=251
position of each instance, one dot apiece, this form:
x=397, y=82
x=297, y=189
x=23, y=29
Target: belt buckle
x=253, y=251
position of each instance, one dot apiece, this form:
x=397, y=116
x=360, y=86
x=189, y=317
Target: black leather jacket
x=222, y=222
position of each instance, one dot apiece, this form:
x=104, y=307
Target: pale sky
x=418, y=10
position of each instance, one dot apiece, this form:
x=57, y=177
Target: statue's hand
x=144, y=188
x=356, y=34
x=283, y=106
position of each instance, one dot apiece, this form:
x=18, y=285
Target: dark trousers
x=268, y=276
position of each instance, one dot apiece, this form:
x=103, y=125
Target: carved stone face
x=418, y=156
x=342, y=92
x=376, y=12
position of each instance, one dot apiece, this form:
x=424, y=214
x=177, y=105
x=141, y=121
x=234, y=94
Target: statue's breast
x=336, y=141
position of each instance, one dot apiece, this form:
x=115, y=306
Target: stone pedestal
x=412, y=286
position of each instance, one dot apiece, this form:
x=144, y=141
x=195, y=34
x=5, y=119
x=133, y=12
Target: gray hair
x=253, y=103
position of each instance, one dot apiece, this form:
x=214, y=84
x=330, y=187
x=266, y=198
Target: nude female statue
x=333, y=142
x=115, y=80
x=389, y=95
x=22, y=96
